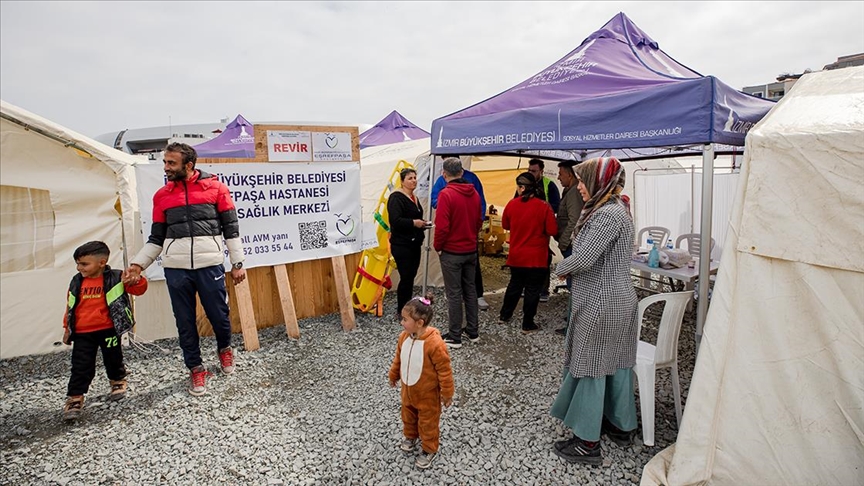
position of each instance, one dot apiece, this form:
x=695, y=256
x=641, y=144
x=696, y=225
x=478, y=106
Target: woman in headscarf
x=596, y=393
x=531, y=223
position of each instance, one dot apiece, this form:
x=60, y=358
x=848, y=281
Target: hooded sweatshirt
x=423, y=363
x=457, y=221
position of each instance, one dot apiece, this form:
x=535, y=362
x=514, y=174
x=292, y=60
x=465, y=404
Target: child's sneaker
x=408, y=445
x=198, y=381
x=72, y=409
x=118, y=389
x=226, y=359
x=425, y=460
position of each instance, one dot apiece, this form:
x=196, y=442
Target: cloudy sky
x=105, y=66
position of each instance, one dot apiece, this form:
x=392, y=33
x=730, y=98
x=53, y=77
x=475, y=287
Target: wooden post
x=343, y=293
x=247, y=315
x=286, y=297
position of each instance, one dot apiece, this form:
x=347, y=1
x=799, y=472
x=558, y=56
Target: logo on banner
x=243, y=137
x=569, y=69
x=331, y=140
x=734, y=123
x=345, y=226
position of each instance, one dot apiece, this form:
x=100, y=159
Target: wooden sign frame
x=267, y=297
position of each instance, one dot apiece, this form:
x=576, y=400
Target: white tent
x=376, y=166
x=58, y=190
x=777, y=395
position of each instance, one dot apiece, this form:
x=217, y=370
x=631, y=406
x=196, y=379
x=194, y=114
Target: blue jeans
x=209, y=284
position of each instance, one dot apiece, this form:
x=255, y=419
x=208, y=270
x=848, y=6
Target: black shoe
x=530, y=329
x=616, y=435
x=544, y=297
x=562, y=331
x=450, y=342
x=473, y=339
x=579, y=452
x=563, y=444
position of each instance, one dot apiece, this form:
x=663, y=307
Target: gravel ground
x=316, y=411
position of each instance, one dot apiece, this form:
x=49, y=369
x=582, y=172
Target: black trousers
x=407, y=259
x=529, y=279
x=84, y=348
x=478, y=276
x=209, y=284
x=544, y=290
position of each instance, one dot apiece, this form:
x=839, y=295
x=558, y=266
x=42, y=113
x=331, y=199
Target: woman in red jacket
x=531, y=223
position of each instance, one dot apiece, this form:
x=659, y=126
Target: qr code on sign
x=313, y=235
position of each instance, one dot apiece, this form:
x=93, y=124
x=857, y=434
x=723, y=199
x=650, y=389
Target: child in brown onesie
x=422, y=364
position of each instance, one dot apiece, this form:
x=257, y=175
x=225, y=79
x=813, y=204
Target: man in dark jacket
x=192, y=213
x=457, y=223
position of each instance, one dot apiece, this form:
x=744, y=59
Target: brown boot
x=72, y=409
x=118, y=389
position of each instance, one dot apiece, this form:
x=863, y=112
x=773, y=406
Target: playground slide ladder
x=372, y=279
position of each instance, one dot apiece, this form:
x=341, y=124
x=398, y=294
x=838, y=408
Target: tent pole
x=431, y=233
x=705, y=238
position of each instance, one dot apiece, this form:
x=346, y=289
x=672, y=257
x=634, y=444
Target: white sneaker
x=482, y=304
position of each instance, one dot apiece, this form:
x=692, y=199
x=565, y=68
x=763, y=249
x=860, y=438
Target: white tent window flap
x=27, y=238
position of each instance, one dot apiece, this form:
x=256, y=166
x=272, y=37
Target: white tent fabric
x=777, y=395
x=376, y=165
x=59, y=190
x=674, y=201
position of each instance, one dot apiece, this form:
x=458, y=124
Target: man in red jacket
x=192, y=214
x=457, y=223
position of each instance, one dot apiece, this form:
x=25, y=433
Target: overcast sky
x=104, y=66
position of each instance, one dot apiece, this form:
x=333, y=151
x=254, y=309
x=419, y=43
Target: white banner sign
x=331, y=147
x=290, y=146
x=288, y=212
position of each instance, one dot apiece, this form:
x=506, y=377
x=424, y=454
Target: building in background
x=775, y=91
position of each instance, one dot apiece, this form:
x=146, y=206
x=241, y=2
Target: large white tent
x=58, y=190
x=777, y=395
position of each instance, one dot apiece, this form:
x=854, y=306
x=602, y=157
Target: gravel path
x=315, y=411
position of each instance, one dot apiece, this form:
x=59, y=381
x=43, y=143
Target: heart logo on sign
x=331, y=141
x=345, y=226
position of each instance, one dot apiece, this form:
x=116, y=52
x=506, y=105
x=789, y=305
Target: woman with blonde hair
x=596, y=394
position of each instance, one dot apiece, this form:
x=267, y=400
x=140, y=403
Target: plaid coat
x=602, y=332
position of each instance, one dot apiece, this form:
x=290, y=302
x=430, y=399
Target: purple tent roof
x=237, y=141
x=393, y=128
x=616, y=90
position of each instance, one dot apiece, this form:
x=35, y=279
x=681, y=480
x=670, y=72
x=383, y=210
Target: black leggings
x=407, y=262
x=84, y=348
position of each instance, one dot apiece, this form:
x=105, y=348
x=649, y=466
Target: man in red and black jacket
x=457, y=223
x=192, y=213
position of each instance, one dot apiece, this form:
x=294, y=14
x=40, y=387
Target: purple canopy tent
x=617, y=90
x=237, y=141
x=392, y=129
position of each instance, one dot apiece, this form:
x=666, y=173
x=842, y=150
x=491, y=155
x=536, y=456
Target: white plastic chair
x=694, y=243
x=658, y=234
x=650, y=358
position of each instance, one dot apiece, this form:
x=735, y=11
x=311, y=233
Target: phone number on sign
x=274, y=248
